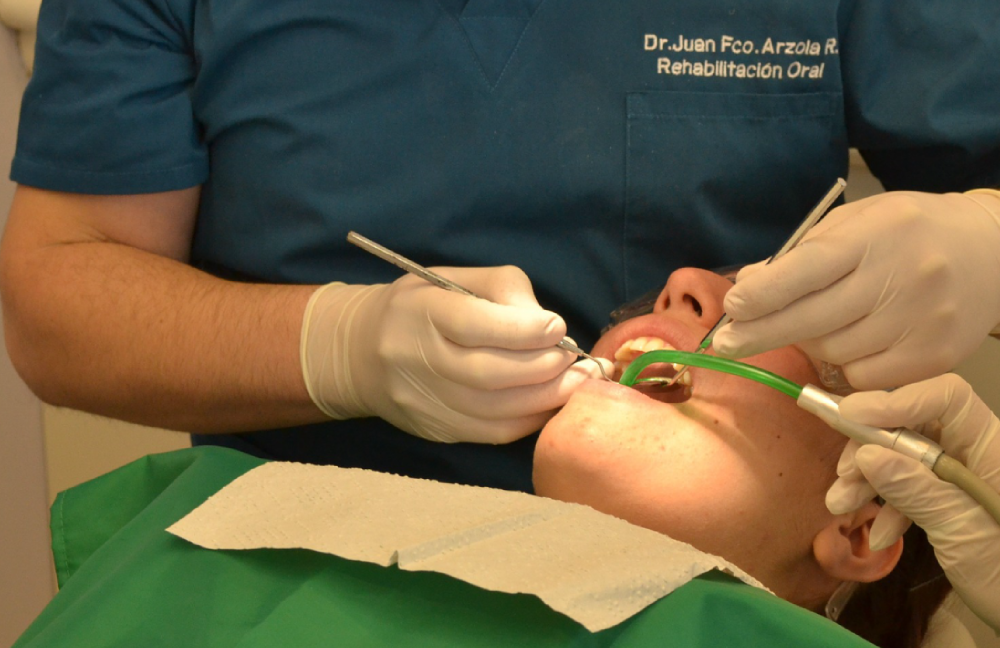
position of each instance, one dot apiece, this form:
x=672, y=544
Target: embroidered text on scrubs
x=720, y=69
x=737, y=46
x=768, y=67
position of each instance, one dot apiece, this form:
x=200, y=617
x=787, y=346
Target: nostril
x=695, y=305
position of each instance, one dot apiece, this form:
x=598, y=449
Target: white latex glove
x=439, y=364
x=895, y=288
x=966, y=539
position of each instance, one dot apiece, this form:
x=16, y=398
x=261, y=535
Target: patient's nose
x=694, y=293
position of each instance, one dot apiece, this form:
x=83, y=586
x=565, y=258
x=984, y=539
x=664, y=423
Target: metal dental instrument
x=811, y=219
x=412, y=267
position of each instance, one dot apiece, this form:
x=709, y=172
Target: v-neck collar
x=494, y=29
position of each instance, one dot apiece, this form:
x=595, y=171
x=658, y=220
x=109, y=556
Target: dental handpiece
x=807, y=224
x=412, y=267
x=904, y=441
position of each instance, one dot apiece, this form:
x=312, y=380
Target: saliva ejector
x=827, y=407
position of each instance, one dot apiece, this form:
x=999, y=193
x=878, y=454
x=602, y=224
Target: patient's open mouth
x=632, y=349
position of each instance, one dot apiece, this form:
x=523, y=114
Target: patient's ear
x=841, y=548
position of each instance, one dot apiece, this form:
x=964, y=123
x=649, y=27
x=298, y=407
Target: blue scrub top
x=597, y=145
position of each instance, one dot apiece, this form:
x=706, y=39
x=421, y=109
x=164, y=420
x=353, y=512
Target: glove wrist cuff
x=325, y=348
x=984, y=190
x=991, y=204
x=992, y=207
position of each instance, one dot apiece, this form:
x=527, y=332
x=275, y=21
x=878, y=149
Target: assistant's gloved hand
x=966, y=539
x=439, y=364
x=895, y=288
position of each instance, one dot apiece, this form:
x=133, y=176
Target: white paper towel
x=595, y=568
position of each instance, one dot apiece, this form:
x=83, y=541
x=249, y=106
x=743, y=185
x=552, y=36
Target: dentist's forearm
x=110, y=329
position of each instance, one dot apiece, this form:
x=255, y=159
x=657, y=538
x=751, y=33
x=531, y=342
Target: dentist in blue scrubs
x=188, y=170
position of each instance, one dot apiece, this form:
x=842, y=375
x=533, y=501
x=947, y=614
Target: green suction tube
x=945, y=467
x=631, y=375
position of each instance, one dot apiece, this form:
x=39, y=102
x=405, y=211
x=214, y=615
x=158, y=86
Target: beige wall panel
x=82, y=446
x=25, y=573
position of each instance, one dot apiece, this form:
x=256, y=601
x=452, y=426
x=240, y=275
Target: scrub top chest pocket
x=701, y=166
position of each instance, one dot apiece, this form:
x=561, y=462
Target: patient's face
x=737, y=470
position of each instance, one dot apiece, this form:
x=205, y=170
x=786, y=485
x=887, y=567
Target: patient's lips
x=632, y=338
x=635, y=347
x=632, y=349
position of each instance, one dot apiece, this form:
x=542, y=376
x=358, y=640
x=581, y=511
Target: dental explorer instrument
x=826, y=406
x=811, y=219
x=412, y=267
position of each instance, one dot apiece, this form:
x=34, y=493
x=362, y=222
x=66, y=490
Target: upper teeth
x=632, y=349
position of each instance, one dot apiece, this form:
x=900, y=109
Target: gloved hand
x=439, y=364
x=965, y=538
x=895, y=288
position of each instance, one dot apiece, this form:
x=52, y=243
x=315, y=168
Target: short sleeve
x=922, y=90
x=109, y=108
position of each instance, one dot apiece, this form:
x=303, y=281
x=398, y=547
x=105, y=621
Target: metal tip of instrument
x=565, y=343
x=676, y=377
x=702, y=346
x=600, y=366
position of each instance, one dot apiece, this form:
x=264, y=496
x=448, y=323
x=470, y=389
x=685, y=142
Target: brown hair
x=894, y=612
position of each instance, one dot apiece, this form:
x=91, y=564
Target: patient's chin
x=554, y=472
x=569, y=463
